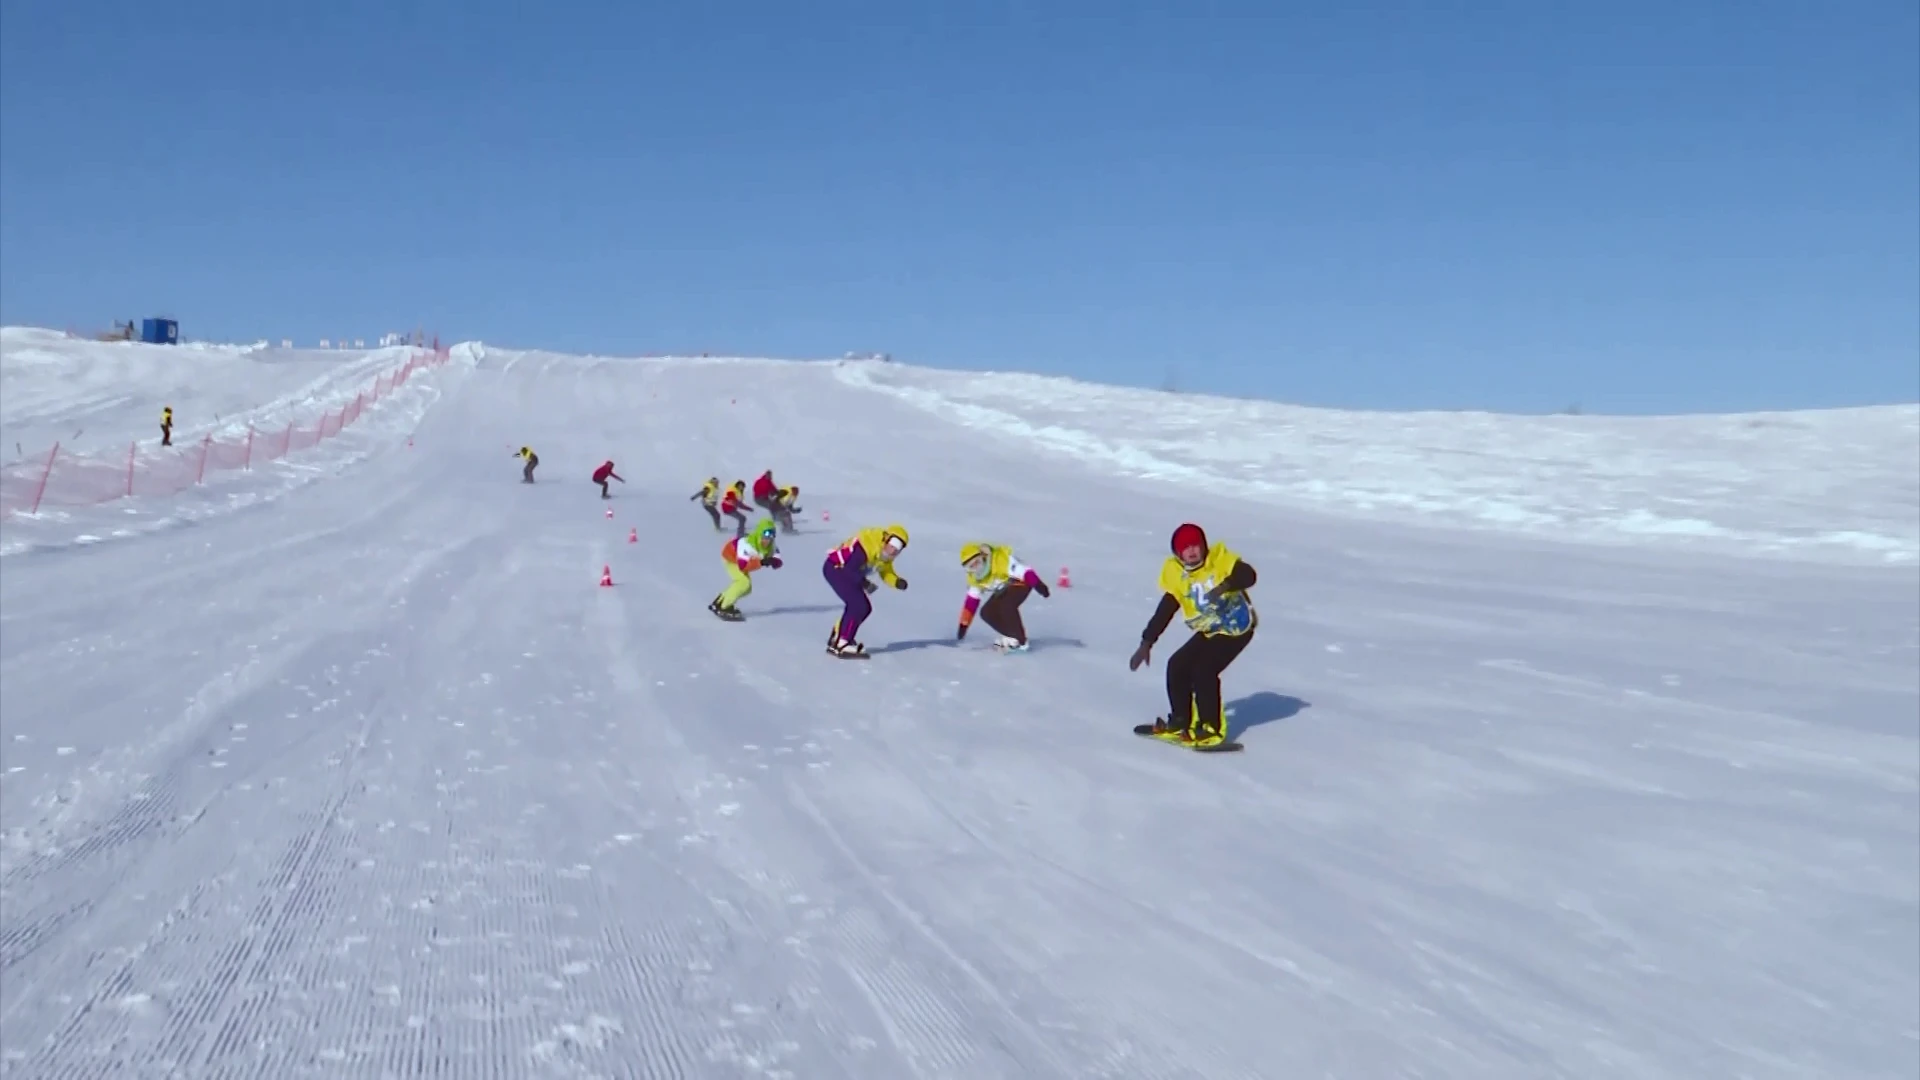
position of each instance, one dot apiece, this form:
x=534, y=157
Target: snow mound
x=1833, y=485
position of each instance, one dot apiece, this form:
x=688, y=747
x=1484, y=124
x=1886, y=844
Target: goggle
x=976, y=565
x=893, y=544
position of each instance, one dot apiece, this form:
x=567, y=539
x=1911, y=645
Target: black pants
x=527, y=473
x=1193, y=678
x=1002, y=612
x=166, y=434
x=604, y=493
x=712, y=512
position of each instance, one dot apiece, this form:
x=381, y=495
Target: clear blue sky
x=1638, y=206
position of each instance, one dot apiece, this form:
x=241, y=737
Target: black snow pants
x=526, y=474
x=1002, y=612
x=1193, y=679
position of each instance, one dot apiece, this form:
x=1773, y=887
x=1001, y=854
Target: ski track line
x=186, y=744
x=763, y=1054
x=923, y=1028
x=938, y=1035
x=297, y=888
x=934, y=1034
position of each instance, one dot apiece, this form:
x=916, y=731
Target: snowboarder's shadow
x=909, y=646
x=1036, y=643
x=1262, y=708
x=804, y=609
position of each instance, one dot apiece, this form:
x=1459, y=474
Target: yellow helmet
x=895, y=530
x=970, y=552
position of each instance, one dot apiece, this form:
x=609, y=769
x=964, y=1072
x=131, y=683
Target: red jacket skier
x=764, y=489
x=602, y=474
x=733, y=504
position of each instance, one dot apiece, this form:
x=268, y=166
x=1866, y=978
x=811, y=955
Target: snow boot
x=1010, y=645
x=1161, y=728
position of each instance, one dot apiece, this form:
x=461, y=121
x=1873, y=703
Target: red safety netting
x=60, y=479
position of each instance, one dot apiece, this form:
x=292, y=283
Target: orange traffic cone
x=1066, y=581
x=606, y=575
x=633, y=536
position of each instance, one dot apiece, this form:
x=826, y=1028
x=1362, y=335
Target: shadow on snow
x=1262, y=708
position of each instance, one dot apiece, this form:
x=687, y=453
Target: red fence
x=65, y=479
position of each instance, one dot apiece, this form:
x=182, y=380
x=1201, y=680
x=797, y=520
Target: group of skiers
x=780, y=502
x=601, y=473
x=1202, y=582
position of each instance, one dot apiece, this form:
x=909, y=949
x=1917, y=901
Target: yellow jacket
x=871, y=545
x=1231, y=616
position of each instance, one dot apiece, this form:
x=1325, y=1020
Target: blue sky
x=1634, y=206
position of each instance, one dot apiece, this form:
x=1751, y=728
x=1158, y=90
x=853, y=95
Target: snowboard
x=849, y=656
x=1145, y=731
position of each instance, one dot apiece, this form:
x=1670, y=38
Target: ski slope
x=371, y=779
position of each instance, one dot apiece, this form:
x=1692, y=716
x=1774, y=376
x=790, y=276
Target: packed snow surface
x=368, y=777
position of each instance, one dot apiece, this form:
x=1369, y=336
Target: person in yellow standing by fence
x=166, y=426
x=1207, y=585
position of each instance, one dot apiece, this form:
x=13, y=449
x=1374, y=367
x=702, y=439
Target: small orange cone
x=606, y=575
x=609, y=511
x=633, y=536
x=1066, y=580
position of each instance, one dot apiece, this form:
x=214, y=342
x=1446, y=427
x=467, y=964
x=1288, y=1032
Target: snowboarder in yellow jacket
x=847, y=569
x=1206, y=584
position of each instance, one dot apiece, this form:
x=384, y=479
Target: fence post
x=206, y=447
x=289, y=448
x=44, y=473
x=131, y=447
x=248, y=464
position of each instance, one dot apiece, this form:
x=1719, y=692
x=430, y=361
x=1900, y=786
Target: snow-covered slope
x=373, y=780
x=1836, y=485
x=96, y=399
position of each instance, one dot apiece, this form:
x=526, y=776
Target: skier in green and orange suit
x=744, y=555
x=1207, y=585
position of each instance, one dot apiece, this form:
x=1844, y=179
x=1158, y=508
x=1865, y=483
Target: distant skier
x=744, y=555
x=996, y=576
x=1206, y=585
x=166, y=426
x=847, y=569
x=604, y=473
x=533, y=462
x=733, y=504
x=764, y=490
x=709, y=496
x=784, y=506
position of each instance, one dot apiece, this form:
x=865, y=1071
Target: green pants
x=739, y=587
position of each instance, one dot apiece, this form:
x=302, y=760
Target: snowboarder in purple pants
x=870, y=551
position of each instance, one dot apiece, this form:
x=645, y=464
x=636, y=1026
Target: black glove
x=900, y=583
x=1141, y=655
x=1041, y=588
x=961, y=634
x=774, y=561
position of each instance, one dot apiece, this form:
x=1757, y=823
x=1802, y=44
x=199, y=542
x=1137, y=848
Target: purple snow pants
x=850, y=584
